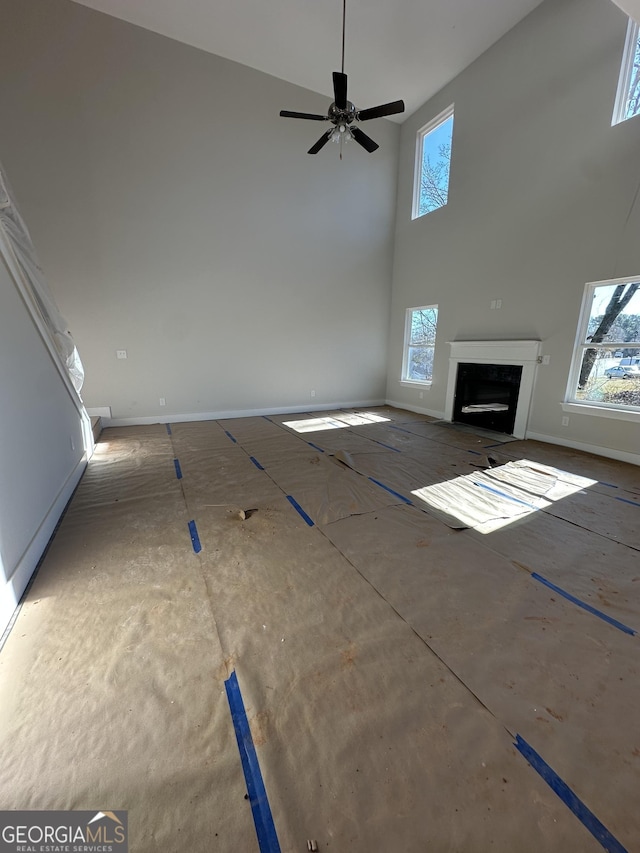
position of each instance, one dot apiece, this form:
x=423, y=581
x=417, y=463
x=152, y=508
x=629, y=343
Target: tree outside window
x=607, y=356
x=433, y=163
x=633, y=95
x=420, y=340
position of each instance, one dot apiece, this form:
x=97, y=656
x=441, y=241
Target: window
x=419, y=344
x=606, y=361
x=628, y=96
x=433, y=159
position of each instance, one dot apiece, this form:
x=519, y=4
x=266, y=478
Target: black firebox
x=487, y=395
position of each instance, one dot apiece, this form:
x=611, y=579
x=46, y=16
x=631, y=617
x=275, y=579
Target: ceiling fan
x=342, y=113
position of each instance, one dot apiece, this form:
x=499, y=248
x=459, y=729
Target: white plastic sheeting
x=16, y=245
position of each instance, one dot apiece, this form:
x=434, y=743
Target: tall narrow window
x=419, y=343
x=433, y=161
x=628, y=96
x=606, y=360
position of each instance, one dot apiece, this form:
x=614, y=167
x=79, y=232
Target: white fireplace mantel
x=522, y=353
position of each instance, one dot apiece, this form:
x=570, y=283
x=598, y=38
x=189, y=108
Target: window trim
x=404, y=378
x=417, y=169
x=592, y=406
x=601, y=410
x=626, y=67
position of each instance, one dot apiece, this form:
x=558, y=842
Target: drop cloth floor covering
x=408, y=686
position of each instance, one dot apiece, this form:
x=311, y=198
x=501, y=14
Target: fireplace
x=487, y=395
x=490, y=384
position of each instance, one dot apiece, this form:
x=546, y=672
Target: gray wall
x=41, y=445
x=179, y=218
x=541, y=188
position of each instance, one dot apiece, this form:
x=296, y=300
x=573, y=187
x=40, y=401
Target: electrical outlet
x=565, y=420
x=121, y=353
x=313, y=393
x=421, y=394
x=163, y=402
x=546, y=359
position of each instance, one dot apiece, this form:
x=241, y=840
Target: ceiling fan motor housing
x=345, y=116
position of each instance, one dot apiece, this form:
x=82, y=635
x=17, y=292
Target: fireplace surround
x=522, y=354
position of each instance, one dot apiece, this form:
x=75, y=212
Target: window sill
x=416, y=383
x=601, y=411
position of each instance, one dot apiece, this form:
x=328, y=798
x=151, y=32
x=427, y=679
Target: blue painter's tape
x=400, y=429
x=611, y=485
x=178, y=469
x=195, y=539
x=267, y=419
x=256, y=463
x=388, y=446
x=315, y=447
x=569, y=798
x=391, y=492
x=168, y=426
x=475, y=452
x=260, y=808
x=627, y=501
x=505, y=495
x=294, y=503
x=226, y=432
x=619, y=625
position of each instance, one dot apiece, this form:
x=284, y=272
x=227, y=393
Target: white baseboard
x=608, y=452
x=11, y=592
x=597, y=450
x=107, y=420
x=419, y=410
x=237, y=413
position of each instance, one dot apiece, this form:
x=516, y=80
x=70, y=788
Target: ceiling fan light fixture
x=341, y=133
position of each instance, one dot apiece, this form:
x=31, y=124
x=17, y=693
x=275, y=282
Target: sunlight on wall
x=87, y=434
x=8, y=603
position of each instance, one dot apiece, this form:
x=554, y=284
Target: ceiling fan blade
x=340, y=89
x=383, y=110
x=311, y=116
x=367, y=143
x=321, y=143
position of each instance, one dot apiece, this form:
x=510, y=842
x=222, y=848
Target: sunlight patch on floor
x=334, y=422
x=496, y=497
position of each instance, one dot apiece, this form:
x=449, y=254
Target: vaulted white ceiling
x=394, y=48
x=631, y=7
